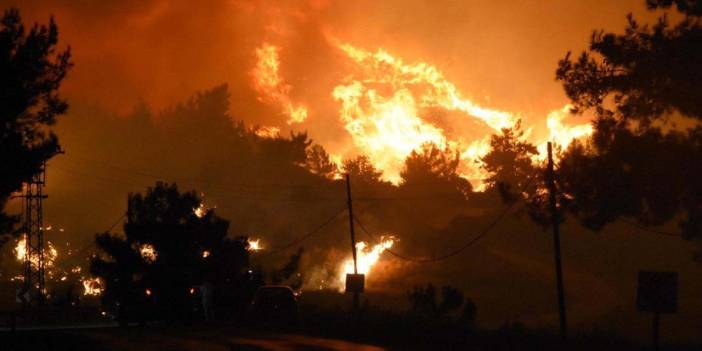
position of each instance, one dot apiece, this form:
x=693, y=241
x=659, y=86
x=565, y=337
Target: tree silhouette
x=285, y=273
x=636, y=82
x=362, y=170
x=423, y=300
x=187, y=247
x=432, y=167
x=451, y=299
x=510, y=164
x=647, y=175
x=32, y=71
x=690, y=7
x=646, y=72
x=318, y=162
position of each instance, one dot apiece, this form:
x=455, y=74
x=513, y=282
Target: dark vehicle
x=274, y=304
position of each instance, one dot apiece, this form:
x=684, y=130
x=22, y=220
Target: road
x=181, y=339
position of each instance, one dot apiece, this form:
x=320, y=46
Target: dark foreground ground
x=320, y=326
x=229, y=337
x=173, y=338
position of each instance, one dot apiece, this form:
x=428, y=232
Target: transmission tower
x=33, y=227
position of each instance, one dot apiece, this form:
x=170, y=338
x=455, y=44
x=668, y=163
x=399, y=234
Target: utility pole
x=353, y=240
x=551, y=182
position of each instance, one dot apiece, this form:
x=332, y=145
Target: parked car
x=274, y=304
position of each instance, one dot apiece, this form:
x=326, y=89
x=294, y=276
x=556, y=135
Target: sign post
x=657, y=293
x=355, y=283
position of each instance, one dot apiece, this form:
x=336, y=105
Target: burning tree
x=160, y=259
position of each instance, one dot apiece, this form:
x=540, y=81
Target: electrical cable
x=304, y=237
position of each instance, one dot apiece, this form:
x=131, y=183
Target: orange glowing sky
x=500, y=56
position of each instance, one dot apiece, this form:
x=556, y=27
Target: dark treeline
x=277, y=188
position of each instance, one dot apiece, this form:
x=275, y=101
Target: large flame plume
x=385, y=103
x=382, y=110
x=271, y=86
x=367, y=256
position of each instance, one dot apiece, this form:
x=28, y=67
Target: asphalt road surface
x=181, y=339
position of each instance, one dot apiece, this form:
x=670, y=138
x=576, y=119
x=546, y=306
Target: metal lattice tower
x=33, y=217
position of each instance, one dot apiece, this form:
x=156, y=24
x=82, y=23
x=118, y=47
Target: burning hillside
x=387, y=107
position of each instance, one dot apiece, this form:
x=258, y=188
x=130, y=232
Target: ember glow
x=148, y=252
x=92, y=287
x=271, y=86
x=200, y=211
x=254, y=245
x=367, y=257
x=268, y=132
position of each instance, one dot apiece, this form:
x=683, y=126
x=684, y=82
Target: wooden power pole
x=353, y=241
x=555, y=219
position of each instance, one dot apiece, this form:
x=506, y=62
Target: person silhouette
x=206, y=296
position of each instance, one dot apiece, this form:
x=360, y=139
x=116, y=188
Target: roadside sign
x=657, y=292
x=22, y=296
x=355, y=283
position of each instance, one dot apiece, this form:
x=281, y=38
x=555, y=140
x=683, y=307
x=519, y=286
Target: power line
x=455, y=252
x=90, y=243
x=306, y=236
x=460, y=249
x=649, y=230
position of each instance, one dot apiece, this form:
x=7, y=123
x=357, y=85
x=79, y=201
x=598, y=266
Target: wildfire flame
x=367, y=257
x=148, y=252
x=50, y=253
x=268, y=132
x=469, y=167
x=270, y=85
x=93, y=287
x=385, y=106
x=561, y=134
x=382, y=111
